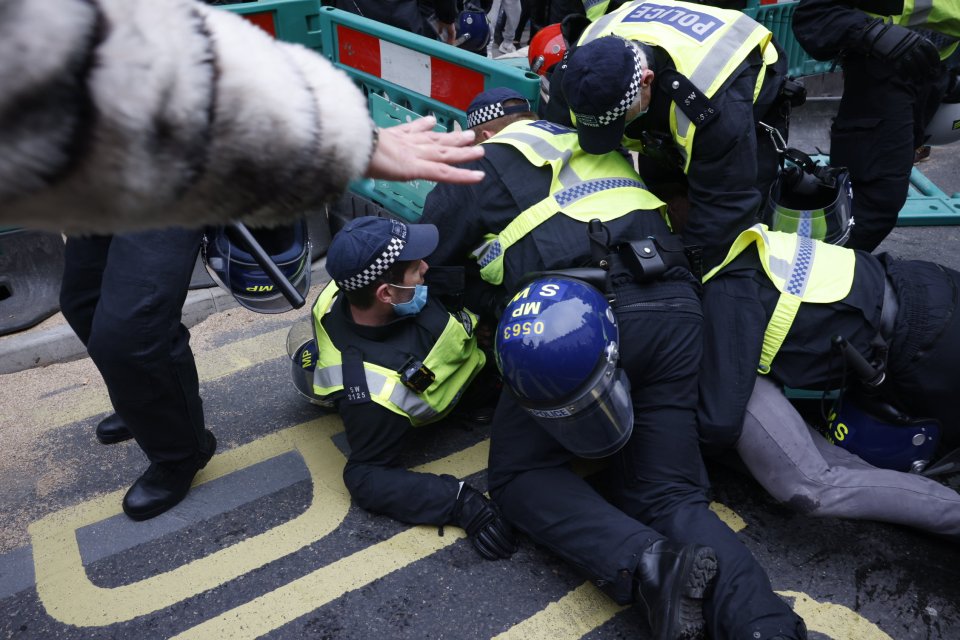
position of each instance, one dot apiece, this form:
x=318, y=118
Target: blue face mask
x=414, y=305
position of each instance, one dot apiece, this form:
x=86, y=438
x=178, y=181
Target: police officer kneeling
x=390, y=356
x=650, y=544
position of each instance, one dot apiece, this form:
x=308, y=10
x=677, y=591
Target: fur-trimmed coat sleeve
x=117, y=115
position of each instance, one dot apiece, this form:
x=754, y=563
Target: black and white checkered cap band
x=494, y=111
x=485, y=114
x=381, y=264
x=632, y=92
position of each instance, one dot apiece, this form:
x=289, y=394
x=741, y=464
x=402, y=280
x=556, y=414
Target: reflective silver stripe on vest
x=588, y=4
x=588, y=187
x=491, y=250
x=713, y=63
x=921, y=12
x=600, y=25
x=405, y=399
x=410, y=403
x=800, y=271
x=488, y=252
x=547, y=151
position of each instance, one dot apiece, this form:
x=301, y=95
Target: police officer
x=540, y=193
x=775, y=309
x=893, y=82
x=390, y=356
x=685, y=85
x=123, y=296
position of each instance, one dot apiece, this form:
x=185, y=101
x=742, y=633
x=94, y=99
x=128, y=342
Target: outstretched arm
x=123, y=115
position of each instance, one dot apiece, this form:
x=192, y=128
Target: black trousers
x=123, y=296
x=658, y=480
x=878, y=127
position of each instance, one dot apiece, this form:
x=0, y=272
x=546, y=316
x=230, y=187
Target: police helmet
x=557, y=346
x=883, y=436
x=303, y=352
x=944, y=127
x=233, y=267
x=812, y=201
x=473, y=30
x=546, y=49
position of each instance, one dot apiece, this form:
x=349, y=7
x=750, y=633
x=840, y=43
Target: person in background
x=896, y=73
x=415, y=16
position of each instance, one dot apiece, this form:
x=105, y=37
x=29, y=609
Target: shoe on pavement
x=507, y=47
x=672, y=581
x=164, y=484
x=113, y=429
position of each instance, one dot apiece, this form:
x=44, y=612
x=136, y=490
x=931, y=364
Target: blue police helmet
x=557, y=347
x=889, y=441
x=814, y=205
x=234, y=269
x=473, y=30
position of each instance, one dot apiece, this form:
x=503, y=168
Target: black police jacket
x=737, y=306
x=464, y=214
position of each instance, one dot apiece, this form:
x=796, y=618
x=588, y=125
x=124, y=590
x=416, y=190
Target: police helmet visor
x=233, y=268
x=302, y=349
x=810, y=206
x=598, y=420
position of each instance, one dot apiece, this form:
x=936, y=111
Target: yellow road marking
x=572, y=616
x=297, y=598
x=729, y=516
x=833, y=620
x=70, y=597
x=82, y=403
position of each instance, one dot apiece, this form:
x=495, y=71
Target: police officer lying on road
x=390, y=356
x=788, y=310
x=649, y=543
x=893, y=84
x=685, y=85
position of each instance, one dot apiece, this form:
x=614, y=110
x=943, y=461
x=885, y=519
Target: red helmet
x=546, y=49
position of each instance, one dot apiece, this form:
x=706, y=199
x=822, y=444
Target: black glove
x=486, y=528
x=907, y=51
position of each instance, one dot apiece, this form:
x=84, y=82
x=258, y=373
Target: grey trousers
x=798, y=467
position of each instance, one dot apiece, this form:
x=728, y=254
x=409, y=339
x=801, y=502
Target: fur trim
x=199, y=117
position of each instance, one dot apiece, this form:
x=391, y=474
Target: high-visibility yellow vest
x=455, y=360
x=935, y=15
x=802, y=269
x=583, y=187
x=595, y=8
x=706, y=44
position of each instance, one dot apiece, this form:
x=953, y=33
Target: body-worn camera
x=416, y=376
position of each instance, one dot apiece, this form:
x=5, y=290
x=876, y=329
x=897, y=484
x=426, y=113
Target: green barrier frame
x=779, y=18
x=391, y=103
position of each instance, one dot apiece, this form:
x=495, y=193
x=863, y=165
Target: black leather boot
x=671, y=582
x=164, y=484
x=113, y=429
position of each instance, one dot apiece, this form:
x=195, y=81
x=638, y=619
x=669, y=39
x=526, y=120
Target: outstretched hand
x=413, y=151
